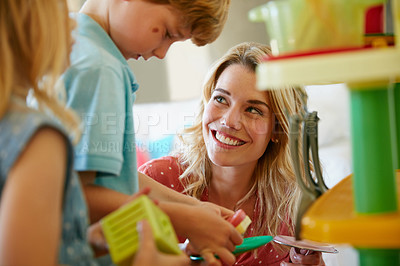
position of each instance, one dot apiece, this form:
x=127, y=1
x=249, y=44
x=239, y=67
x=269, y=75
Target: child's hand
x=209, y=234
x=95, y=233
x=143, y=191
x=97, y=239
x=224, y=212
x=148, y=253
x=304, y=257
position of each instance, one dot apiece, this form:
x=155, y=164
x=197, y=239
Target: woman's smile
x=226, y=140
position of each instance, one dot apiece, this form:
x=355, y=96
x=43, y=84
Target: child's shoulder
x=19, y=123
x=20, y=114
x=17, y=127
x=93, y=46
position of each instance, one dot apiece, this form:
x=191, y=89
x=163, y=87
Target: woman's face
x=238, y=121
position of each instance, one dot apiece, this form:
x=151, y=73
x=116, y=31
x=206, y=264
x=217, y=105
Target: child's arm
x=161, y=192
x=30, y=212
x=102, y=201
x=204, y=226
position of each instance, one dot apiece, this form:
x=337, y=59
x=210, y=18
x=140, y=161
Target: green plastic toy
x=119, y=228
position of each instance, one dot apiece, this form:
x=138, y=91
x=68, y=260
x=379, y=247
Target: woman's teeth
x=227, y=140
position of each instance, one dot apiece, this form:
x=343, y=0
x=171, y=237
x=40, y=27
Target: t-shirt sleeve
x=165, y=170
x=95, y=95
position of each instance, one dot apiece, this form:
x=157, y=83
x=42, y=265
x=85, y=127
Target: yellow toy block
x=242, y=227
x=119, y=228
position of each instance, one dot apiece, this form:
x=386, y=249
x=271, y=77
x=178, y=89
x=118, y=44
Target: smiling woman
x=236, y=154
x=237, y=121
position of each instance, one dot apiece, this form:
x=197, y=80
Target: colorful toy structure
x=362, y=210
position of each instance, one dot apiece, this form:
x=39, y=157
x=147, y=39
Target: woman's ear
x=274, y=139
x=275, y=131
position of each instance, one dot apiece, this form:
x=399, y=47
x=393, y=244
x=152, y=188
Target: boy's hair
x=35, y=41
x=206, y=18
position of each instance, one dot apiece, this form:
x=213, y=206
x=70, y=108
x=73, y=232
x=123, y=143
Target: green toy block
x=119, y=228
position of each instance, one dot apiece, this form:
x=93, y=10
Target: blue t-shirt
x=100, y=87
x=17, y=127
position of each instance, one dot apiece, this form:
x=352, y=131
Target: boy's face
x=143, y=29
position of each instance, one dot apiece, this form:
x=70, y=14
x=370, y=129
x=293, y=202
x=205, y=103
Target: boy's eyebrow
x=180, y=35
x=257, y=102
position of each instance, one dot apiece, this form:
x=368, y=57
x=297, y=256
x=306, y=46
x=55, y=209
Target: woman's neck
x=230, y=184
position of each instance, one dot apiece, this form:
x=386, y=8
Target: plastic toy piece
x=240, y=220
x=248, y=244
x=119, y=228
x=305, y=244
x=242, y=227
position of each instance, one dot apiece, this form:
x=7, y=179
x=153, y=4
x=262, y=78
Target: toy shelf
x=332, y=219
x=346, y=66
x=362, y=210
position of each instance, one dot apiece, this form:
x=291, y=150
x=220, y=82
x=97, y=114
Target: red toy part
x=237, y=217
x=374, y=20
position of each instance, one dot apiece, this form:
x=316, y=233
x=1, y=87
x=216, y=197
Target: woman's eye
x=254, y=111
x=220, y=99
x=167, y=35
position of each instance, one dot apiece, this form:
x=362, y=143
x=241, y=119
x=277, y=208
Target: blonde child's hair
x=274, y=179
x=206, y=18
x=35, y=42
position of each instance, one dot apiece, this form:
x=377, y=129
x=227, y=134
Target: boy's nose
x=161, y=51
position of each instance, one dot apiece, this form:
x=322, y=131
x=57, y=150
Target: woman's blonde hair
x=35, y=42
x=206, y=18
x=274, y=179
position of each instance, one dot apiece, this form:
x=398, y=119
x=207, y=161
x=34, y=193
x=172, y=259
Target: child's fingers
x=146, y=244
x=96, y=237
x=210, y=258
x=236, y=237
x=304, y=252
x=226, y=256
x=143, y=191
x=145, y=235
x=306, y=257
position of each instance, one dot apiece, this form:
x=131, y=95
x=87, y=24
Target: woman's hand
x=304, y=257
x=148, y=253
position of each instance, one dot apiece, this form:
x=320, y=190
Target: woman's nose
x=232, y=119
